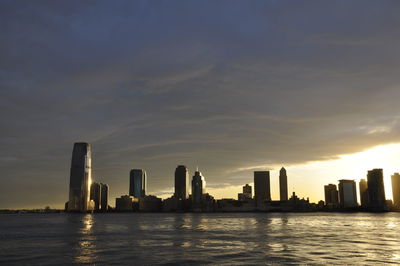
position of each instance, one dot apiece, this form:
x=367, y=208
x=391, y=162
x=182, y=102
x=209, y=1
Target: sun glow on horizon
x=308, y=179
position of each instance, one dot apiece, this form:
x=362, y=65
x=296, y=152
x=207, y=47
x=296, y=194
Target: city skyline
x=248, y=87
x=86, y=195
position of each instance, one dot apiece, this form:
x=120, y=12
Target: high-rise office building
x=283, y=187
x=104, y=197
x=396, y=189
x=80, y=178
x=331, y=195
x=247, y=191
x=137, y=183
x=376, y=190
x=347, y=193
x=262, y=188
x=181, y=182
x=198, y=188
x=95, y=195
x=363, y=193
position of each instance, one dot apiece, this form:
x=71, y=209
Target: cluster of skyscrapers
x=372, y=193
x=86, y=195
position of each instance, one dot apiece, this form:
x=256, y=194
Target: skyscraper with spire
x=80, y=178
x=198, y=188
x=283, y=187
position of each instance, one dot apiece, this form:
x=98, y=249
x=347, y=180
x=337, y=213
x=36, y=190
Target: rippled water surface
x=232, y=238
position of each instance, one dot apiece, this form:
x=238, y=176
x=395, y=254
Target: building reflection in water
x=86, y=247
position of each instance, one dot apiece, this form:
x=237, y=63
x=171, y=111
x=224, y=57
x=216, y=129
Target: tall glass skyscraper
x=80, y=178
x=137, y=183
x=198, y=187
x=181, y=182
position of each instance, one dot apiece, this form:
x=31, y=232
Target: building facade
x=80, y=178
x=363, y=187
x=198, y=188
x=396, y=189
x=137, y=183
x=95, y=195
x=247, y=191
x=125, y=203
x=181, y=182
x=262, y=190
x=376, y=190
x=347, y=193
x=104, y=197
x=283, y=186
x=331, y=196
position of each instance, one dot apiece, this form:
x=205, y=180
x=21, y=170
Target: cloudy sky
x=229, y=86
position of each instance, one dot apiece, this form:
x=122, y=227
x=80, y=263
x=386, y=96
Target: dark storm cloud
x=226, y=85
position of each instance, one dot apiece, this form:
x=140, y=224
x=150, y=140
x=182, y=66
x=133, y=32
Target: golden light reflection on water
x=86, y=248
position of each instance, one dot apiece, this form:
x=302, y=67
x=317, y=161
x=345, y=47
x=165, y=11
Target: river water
x=207, y=238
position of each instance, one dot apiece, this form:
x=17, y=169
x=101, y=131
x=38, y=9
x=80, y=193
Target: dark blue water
x=232, y=238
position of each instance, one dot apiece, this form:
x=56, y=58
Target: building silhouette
x=104, y=197
x=137, y=183
x=125, y=203
x=181, y=182
x=363, y=186
x=95, y=195
x=283, y=187
x=396, y=189
x=347, y=193
x=262, y=188
x=80, y=178
x=376, y=190
x=150, y=204
x=331, y=196
x=198, y=188
x=247, y=193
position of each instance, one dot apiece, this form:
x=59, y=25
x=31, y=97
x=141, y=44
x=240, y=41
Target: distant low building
x=232, y=205
x=150, y=204
x=125, y=203
x=246, y=194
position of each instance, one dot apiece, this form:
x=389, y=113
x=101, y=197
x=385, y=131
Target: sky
x=228, y=86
